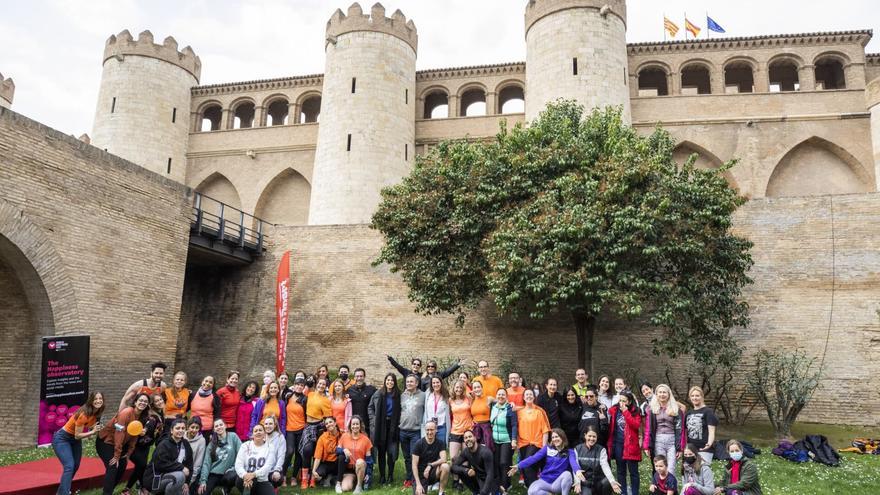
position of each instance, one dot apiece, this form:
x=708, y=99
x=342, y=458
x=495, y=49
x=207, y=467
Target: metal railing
x=227, y=224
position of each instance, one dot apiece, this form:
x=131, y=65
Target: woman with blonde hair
x=340, y=405
x=177, y=399
x=700, y=423
x=663, y=424
x=462, y=421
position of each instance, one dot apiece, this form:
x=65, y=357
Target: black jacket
x=424, y=379
x=569, y=420
x=382, y=427
x=360, y=401
x=482, y=462
x=590, y=417
x=550, y=405
x=165, y=460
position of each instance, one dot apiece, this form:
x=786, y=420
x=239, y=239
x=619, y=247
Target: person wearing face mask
x=549, y=401
x=344, y=375
x=171, y=467
x=696, y=476
x=230, y=399
x=594, y=476
x=623, y=440
x=593, y=416
x=268, y=377
x=475, y=467
x=560, y=462
x=741, y=474
x=114, y=444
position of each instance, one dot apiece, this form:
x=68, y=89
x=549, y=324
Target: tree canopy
x=573, y=213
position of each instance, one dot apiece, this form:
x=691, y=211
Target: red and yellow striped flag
x=691, y=28
x=670, y=27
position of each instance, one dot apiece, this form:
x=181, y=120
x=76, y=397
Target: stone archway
x=38, y=300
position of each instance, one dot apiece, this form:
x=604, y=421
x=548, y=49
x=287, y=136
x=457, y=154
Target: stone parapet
x=7, y=91
x=355, y=20
x=537, y=9
x=122, y=44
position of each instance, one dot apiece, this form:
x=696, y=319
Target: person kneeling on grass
x=559, y=464
x=171, y=467
x=253, y=464
x=353, y=454
x=696, y=476
x=429, y=461
x=594, y=476
x=741, y=476
x=475, y=466
x=663, y=482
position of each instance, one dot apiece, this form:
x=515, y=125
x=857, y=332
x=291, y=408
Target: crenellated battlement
x=355, y=20
x=122, y=44
x=7, y=89
x=538, y=9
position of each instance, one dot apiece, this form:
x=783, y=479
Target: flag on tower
x=691, y=27
x=714, y=26
x=670, y=27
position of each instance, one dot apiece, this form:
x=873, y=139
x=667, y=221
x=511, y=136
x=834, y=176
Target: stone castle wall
x=89, y=244
x=345, y=310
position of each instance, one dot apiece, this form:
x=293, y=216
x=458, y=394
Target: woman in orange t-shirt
x=296, y=423
x=177, y=399
x=67, y=442
x=533, y=427
x=462, y=421
x=340, y=406
x=480, y=411
x=317, y=408
x=357, y=447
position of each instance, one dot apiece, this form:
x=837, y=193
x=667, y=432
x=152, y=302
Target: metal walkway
x=223, y=235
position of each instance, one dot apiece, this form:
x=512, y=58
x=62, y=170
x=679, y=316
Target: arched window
x=830, y=73
x=436, y=105
x=511, y=99
x=310, y=110
x=211, y=117
x=739, y=77
x=784, y=76
x=652, y=82
x=473, y=103
x=243, y=116
x=696, y=80
x=276, y=112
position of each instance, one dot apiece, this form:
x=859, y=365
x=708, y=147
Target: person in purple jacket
x=559, y=464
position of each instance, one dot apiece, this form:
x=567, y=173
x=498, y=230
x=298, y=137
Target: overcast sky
x=52, y=48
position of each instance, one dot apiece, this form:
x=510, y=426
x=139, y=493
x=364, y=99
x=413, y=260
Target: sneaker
x=434, y=487
x=408, y=484
x=357, y=490
x=338, y=487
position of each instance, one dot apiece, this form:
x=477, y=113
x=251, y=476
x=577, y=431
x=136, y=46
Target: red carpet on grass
x=41, y=477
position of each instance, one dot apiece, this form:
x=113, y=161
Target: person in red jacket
x=624, y=420
x=230, y=398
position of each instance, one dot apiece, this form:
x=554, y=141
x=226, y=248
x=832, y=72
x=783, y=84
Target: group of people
x=452, y=430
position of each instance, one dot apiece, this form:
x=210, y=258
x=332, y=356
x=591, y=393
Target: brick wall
x=108, y=240
x=345, y=310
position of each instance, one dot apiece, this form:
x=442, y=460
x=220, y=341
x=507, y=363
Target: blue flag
x=714, y=26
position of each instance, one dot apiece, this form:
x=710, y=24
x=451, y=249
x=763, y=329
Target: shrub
x=784, y=383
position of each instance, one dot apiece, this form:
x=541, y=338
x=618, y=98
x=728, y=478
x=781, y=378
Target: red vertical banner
x=282, y=304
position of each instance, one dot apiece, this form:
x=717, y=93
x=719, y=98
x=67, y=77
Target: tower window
x=348, y=146
x=406, y=152
x=169, y=166
x=353, y=84
x=113, y=105
x=574, y=66
x=406, y=96
x=174, y=115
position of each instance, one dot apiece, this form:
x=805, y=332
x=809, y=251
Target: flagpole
x=664, y=26
x=708, y=31
x=685, y=26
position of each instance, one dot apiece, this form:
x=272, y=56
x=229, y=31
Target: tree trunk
x=585, y=326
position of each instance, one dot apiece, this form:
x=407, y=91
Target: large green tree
x=578, y=214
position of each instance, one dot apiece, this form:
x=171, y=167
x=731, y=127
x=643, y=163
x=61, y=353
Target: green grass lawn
x=857, y=474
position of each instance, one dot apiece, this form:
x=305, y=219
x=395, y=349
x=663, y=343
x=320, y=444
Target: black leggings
x=258, y=488
x=387, y=453
x=114, y=474
x=293, y=438
x=226, y=480
x=308, y=449
x=599, y=486
x=139, y=459
x=530, y=473
x=503, y=456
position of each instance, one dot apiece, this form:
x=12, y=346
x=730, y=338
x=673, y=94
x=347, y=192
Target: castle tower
x=366, y=137
x=576, y=49
x=144, y=102
x=872, y=93
x=7, y=91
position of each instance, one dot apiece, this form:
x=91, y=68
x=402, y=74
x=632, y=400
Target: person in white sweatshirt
x=277, y=449
x=254, y=463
